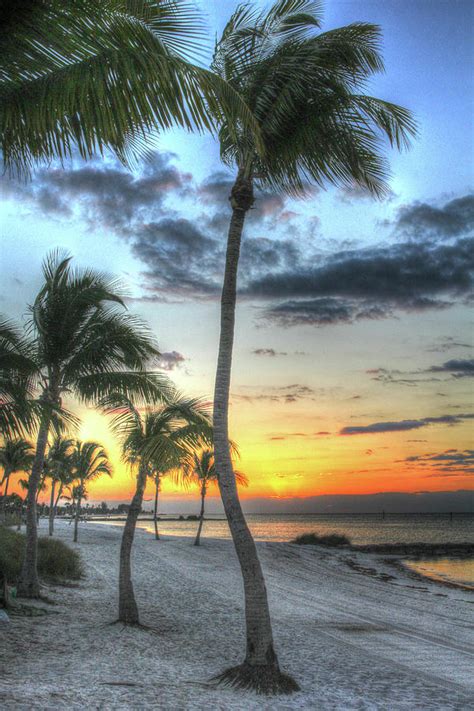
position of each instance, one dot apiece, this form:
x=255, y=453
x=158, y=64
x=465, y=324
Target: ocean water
x=361, y=529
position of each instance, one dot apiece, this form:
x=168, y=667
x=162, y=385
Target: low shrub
x=333, y=540
x=56, y=560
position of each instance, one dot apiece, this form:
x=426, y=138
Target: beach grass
x=332, y=540
x=56, y=561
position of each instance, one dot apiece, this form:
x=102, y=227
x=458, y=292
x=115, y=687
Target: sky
x=353, y=362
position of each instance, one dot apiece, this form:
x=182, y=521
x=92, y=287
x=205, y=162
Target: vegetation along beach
x=236, y=367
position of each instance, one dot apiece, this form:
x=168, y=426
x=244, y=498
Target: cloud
x=268, y=352
x=176, y=229
x=458, y=368
x=285, y=394
x=369, y=283
x=170, y=360
x=447, y=343
x=449, y=463
x=403, y=425
x=421, y=219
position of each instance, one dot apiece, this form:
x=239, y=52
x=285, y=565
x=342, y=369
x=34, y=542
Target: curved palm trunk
x=155, y=510
x=76, y=517
x=260, y=669
x=197, y=541
x=28, y=584
x=128, y=610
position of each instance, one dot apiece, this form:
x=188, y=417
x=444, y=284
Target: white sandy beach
x=351, y=638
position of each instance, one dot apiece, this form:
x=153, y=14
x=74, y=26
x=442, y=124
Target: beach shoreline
x=354, y=639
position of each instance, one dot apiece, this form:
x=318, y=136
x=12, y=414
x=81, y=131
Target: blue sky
x=355, y=355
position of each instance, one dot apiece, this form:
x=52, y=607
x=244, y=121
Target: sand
x=352, y=636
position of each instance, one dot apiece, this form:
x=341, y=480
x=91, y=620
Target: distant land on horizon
x=461, y=501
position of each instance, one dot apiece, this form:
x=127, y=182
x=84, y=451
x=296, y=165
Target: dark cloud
x=459, y=368
x=170, y=360
x=184, y=257
x=420, y=219
x=403, y=425
x=450, y=463
x=268, y=352
x=403, y=274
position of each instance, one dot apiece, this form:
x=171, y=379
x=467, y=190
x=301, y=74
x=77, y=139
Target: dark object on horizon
x=333, y=540
x=192, y=517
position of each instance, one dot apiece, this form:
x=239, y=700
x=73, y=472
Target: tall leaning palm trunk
x=304, y=90
x=260, y=658
x=128, y=609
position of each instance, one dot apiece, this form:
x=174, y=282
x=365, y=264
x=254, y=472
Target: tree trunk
x=51, y=508
x=260, y=669
x=197, y=541
x=28, y=583
x=155, y=510
x=128, y=610
x=6, y=477
x=76, y=517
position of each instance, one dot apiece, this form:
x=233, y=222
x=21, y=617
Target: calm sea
x=359, y=528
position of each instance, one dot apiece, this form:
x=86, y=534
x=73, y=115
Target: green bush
x=56, y=560
x=332, y=540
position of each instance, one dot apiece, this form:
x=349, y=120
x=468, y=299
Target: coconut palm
x=17, y=411
x=59, y=466
x=81, y=343
x=15, y=456
x=200, y=468
x=305, y=90
x=96, y=74
x=89, y=462
x=153, y=442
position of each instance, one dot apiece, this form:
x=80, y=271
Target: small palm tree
x=59, y=466
x=199, y=468
x=89, y=462
x=15, y=456
x=156, y=441
x=305, y=90
x=83, y=344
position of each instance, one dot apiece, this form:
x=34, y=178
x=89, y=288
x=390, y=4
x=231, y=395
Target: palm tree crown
x=95, y=74
x=303, y=88
x=200, y=468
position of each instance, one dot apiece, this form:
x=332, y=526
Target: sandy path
x=352, y=639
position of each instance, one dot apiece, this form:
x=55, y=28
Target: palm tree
x=304, y=89
x=89, y=461
x=59, y=466
x=96, y=74
x=199, y=468
x=83, y=344
x=15, y=456
x=17, y=412
x=156, y=441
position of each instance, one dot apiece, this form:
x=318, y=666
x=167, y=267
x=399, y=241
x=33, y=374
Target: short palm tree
x=96, y=74
x=199, y=468
x=81, y=343
x=59, y=467
x=16, y=455
x=89, y=462
x=155, y=441
x=305, y=89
